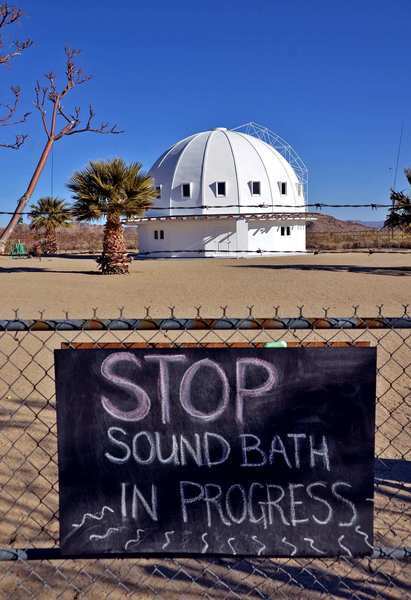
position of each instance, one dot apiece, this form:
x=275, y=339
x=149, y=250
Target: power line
x=318, y=205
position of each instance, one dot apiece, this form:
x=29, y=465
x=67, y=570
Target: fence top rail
x=220, y=323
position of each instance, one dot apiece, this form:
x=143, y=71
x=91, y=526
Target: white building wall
x=266, y=236
x=184, y=238
x=220, y=238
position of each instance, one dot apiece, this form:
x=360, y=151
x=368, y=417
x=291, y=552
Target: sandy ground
x=28, y=442
x=337, y=281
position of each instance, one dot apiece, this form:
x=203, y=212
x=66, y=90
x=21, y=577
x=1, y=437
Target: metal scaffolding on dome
x=279, y=144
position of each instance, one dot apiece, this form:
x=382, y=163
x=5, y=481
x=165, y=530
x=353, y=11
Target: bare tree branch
x=72, y=119
x=8, y=16
x=58, y=124
x=39, y=102
x=6, y=119
x=103, y=128
x=19, y=141
x=74, y=74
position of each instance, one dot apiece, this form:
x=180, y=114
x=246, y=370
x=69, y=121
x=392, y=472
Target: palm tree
x=47, y=216
x=111, y=189
x=400, y=213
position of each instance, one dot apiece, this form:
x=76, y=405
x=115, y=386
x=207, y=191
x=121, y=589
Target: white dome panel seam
x=277, y=155
x=235, y=167
x=203, y=167
x=262, y=162
x=194, y=137
x=172, y=148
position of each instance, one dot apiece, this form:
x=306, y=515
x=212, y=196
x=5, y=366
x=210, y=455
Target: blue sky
x=331, y=77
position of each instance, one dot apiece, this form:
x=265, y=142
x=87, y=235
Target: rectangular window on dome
x=282, y=230
x=288, y=230
x=186, y=190
x=256, y=188
x=161, y=234
x=220, y=188
x=283, y=187
x=158, y=191
x=155, y=234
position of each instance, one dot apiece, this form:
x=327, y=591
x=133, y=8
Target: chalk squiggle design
x=364, y=535
x=204, y=548
x=136, y=541
x=167, y=534
x=284, y=540
x=231, y=539
x=311, y=542
x=96, y=516
x=370, y=500
x=348, y=551
x=260, y=543
x=109, y=531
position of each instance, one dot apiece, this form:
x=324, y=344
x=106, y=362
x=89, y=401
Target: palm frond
x=399, y=216
x=111, y=187
x=49, y=213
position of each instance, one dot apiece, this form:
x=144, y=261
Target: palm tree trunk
x=114, y=259
x=50, y=241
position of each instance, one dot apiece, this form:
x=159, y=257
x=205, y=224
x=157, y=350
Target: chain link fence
x=31, y=565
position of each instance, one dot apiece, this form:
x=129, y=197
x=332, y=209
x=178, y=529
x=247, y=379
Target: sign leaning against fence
x=245, y=451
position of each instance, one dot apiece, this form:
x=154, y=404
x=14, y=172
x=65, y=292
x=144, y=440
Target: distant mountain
x=329, y=224
x=373, y=224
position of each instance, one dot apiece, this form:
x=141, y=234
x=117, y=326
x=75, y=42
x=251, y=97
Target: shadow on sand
x=392, y=271
x=28, y=269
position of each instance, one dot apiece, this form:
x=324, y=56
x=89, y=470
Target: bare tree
x=10, y=15
x=61, y=123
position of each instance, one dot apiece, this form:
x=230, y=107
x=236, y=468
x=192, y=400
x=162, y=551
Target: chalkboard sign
x=236, y=451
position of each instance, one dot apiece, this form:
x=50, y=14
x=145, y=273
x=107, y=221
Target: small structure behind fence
x=29, y=532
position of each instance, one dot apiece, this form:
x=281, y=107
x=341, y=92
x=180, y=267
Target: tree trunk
x=50, y=241
x=5, y=236
x=114, y=259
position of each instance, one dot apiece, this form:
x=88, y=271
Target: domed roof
x=224, y=171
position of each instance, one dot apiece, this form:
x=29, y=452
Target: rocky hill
x=329, y=224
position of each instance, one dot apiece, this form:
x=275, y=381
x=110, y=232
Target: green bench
x=18, y=250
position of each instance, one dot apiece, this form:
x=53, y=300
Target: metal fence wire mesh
x=31, y=566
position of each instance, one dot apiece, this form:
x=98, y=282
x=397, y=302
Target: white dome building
x=226, y=193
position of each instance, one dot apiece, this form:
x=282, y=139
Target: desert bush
x=342, y=240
